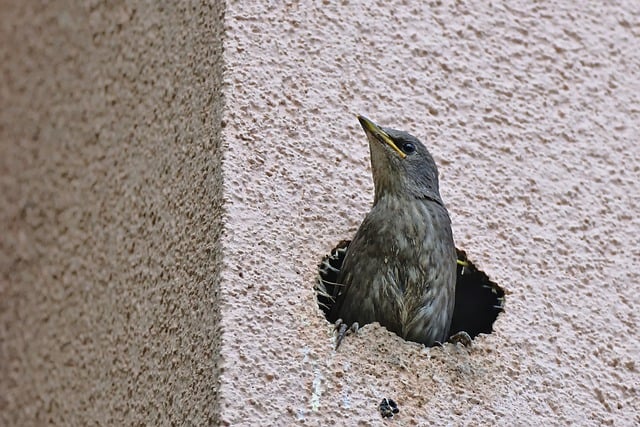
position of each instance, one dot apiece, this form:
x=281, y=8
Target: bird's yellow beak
x=373, y=129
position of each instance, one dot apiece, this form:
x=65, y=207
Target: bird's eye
x=408, y=148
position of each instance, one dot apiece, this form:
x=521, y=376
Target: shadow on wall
x=479, y=301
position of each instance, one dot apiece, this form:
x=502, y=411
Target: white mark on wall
x=317, y=389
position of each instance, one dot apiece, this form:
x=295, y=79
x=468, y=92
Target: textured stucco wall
x=111, y=192
x=531, y=111
x=110, y=209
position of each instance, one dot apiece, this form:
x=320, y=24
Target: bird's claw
x=343, y=330
x=461, y=337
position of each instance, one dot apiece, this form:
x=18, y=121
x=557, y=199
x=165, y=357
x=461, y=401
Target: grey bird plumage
x=400, y=268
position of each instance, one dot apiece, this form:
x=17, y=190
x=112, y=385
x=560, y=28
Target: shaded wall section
x=110, y=198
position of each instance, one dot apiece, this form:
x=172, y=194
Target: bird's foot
x=461, y=338
x=343, y=330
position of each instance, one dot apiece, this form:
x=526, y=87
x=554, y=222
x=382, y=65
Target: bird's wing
x=365, y=288
x=349, y=283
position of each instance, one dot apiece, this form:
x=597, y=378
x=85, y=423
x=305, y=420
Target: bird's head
x=401, y=165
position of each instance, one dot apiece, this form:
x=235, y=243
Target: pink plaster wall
x=531, y=111
x=127, y=297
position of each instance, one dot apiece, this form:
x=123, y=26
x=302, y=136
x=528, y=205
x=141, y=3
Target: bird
x=400, y=268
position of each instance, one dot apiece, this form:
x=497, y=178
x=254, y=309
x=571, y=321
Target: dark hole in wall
x=479, y=301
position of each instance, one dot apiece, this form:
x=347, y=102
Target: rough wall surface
x=110, y=210
x=110, y=192
x=531, y=111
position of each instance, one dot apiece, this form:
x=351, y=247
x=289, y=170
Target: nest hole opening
x=478, y=303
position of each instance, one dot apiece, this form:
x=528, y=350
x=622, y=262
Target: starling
x=400, y=268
